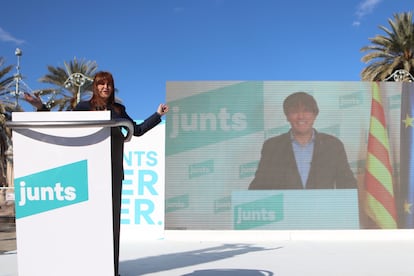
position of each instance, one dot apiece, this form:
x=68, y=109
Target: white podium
x=63, y=194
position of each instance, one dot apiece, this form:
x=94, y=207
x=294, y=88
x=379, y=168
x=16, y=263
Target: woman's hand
x=162, y=109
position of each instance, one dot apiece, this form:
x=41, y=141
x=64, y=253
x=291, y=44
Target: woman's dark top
x=117, y=138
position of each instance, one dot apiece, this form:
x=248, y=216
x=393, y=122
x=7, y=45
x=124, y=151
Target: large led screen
x=289, y=155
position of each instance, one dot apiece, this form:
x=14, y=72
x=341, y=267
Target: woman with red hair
x=103, y=98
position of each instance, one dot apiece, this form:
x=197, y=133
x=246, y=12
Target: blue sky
x=146, y=43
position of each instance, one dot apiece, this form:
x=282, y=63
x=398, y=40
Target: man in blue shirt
x=302, y=158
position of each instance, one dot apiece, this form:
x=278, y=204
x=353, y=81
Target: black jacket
x=117, y=138
x=277, y=167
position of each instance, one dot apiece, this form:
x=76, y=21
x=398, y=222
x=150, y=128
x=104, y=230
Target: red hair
x=100, y=78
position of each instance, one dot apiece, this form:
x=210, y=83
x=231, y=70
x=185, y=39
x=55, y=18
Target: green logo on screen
x=177, y=203
x=258, y=213
x=394, y=102
x=248, y=169
x=350, y=100
x=214, y=116
x=222, y=204
x=200, y=169
x=51, y=189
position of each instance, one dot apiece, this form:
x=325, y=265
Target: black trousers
x=116, y=219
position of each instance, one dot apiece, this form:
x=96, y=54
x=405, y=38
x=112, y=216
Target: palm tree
x=5, y=82
x=392, y=52
x=65, y=97
x=7, y=106
x=3, y=72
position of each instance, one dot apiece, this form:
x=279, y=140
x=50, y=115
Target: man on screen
x=302, y=158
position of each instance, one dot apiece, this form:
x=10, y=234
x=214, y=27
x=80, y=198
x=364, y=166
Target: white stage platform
x=254, y=253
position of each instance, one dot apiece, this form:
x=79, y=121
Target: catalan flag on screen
x=406, y=202
x=380, y=201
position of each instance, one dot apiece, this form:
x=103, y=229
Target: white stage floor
x=207, y=253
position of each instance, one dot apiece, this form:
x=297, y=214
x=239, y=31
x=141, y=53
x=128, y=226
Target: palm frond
x=67, y=95
x=390, y=52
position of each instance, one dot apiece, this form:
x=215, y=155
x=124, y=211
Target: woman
x=103, y=98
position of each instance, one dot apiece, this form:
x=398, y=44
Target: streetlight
x=79, y=80
x=401, y=75
x=17, y=82
x=17, y=77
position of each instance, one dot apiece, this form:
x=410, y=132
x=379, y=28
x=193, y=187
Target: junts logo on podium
x=259, y=212
x=51, y=189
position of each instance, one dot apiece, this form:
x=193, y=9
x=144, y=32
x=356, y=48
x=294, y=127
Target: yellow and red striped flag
x=379, y=184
